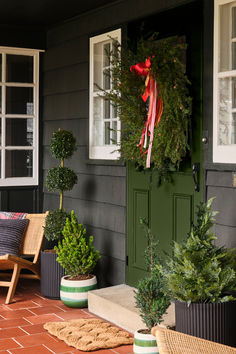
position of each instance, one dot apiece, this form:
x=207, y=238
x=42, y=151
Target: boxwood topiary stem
x=61, y=192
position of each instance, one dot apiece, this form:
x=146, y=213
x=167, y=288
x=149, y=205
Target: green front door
x=170, y=207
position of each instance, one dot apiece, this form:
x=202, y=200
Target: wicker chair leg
x=13, y=284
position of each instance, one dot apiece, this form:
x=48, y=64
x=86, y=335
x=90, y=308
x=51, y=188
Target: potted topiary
x=78, y=257
x=61, y=178
x=151, y=296
x=202, y=279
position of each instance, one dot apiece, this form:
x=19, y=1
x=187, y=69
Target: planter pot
x=51, y=274
x=215, y=322
x=74, y=293
x=144, y=343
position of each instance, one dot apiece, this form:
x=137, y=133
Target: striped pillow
x=11, y=235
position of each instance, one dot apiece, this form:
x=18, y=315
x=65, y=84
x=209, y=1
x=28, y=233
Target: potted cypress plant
x=202, y=279
x=151, y=296
x=62, y=146
x=76, y=254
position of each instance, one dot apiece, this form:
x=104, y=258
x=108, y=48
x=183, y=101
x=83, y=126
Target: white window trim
x=106, y=152
x=221, y=153
x=21, y=181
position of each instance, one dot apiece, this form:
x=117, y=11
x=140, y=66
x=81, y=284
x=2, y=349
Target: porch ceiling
x=44, y=12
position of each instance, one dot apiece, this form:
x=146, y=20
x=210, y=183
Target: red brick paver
x=21, y=323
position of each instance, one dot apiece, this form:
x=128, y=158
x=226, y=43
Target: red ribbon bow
x=155, y=106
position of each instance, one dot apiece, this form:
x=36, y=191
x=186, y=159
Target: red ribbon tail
x=159, y=111
x=142, y=138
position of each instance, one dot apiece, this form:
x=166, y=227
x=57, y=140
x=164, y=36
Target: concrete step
x=116, y=304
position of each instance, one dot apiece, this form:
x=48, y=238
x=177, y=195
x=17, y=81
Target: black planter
x=51, y=274
x=215, y=322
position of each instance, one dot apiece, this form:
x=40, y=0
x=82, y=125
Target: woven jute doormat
x=89, y=334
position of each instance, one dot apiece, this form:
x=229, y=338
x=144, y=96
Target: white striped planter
x=74, y=293
x=144, y=343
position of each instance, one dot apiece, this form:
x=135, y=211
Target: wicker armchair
x=32, y=244
x=172, y=342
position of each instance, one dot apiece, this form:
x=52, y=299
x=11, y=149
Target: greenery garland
x=170, y=143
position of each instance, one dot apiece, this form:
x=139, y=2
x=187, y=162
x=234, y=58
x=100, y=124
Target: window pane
x=234, y=92
x=111, y=133
x=233, y=56
x=106, y=109
x=106, y=54
x=97, y=69
x=114, y=133
x=19, y=68
x=234, y=22
x=101, y=66
x=19, y=132
x=114, y=111
x=106, y=80
x=0, y=99
x=19, y=100
x=97, y=121
x=225, y=38
x=233, y=131
x=227, y=100
x=107, y=133
x=0, y=67
x=19, y=163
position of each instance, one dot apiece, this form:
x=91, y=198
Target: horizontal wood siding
x=220, y=185
x=99, y=198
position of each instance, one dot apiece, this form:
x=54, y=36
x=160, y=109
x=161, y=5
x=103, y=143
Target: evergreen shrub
x=75, y=252
x=151, y=296
x=63, y=144
x=200, y=271
x=55, y=222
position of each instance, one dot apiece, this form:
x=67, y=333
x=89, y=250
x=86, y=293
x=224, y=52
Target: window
x=19, y=71
x=224, y=110
x=104, y=124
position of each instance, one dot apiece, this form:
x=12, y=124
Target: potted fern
x=76, y=254
x=151, y=296
x=202, y=279
x=60, y=178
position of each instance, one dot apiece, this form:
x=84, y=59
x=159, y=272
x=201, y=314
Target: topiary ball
x=63, y=144
x=54, y=224
x=60, y=178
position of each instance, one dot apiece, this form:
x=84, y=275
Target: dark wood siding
x=219, y=184
x=100, y=196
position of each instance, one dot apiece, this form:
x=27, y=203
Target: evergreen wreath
x=170, y=141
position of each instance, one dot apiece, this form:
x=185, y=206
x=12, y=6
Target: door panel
x=182, y=215
x=140, y=207
x=169, y=207
x=172, y=210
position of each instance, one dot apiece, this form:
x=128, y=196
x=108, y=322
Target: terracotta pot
x=215, y=322
x=144, y=343
x=74, y=293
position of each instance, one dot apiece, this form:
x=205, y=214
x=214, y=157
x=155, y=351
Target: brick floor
x=21, y=323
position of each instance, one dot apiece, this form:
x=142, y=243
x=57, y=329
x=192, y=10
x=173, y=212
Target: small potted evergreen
x=62, y=146
x=151, y=296
x=202, y=279
x=76, y=254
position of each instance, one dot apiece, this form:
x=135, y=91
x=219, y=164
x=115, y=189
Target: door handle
x=196, y=169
